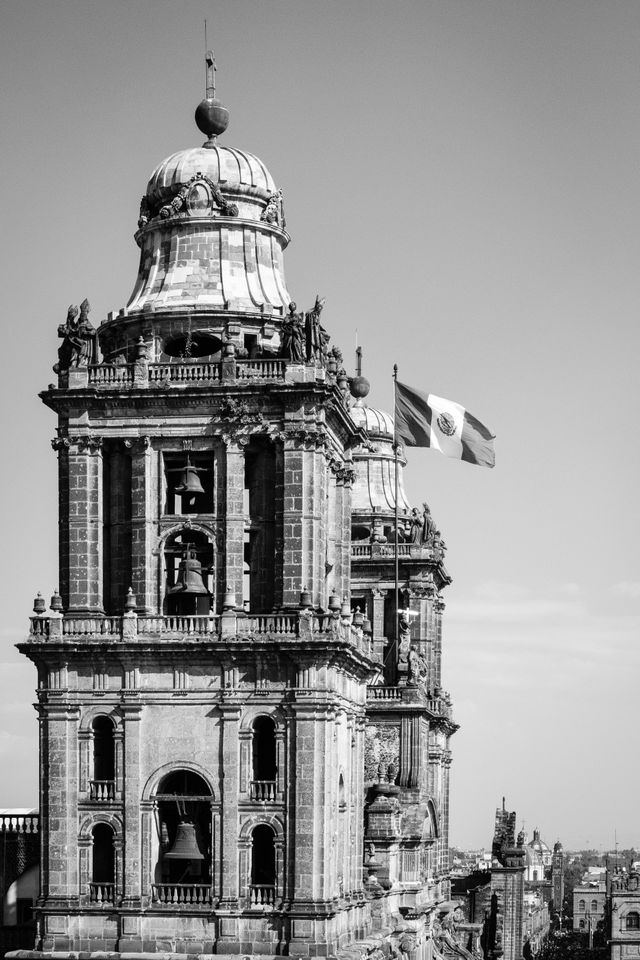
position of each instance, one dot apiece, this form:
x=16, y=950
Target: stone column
x=132, y=873
x=294, y=572
x=143, y=520
x=438, y=609
x=234, y=519
x=81, y=519
x=59, y=800
x=230, y=723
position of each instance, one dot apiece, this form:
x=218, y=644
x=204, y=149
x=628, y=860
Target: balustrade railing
x=102, y=892
x=260, y=369
x=102, y=790
x=369, y=550
x=110, y=374
x=19, y=823
x=384, y=693
x=269, y=623
x=188, y=894
x=198, y=626
x=91, y=626
x=263, y=790
x=262, y=894
x=184, y=372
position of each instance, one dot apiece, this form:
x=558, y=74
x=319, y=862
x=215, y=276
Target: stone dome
x=231, y=168
x=377, y=423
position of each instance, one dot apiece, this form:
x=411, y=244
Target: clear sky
x=461, y=183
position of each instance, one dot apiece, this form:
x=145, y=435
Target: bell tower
x=201, y=682
x=205, y=679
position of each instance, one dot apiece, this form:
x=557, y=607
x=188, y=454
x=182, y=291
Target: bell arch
x=188, y=570
x=262, y=744
x=184, y=829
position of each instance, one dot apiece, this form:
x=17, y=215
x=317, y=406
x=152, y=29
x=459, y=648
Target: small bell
x=131, y=602
x=56, y=602
x=39, y=605
x=185, y=846
x=305, y=599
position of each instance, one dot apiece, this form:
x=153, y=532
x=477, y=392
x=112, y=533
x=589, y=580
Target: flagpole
x=395, y=458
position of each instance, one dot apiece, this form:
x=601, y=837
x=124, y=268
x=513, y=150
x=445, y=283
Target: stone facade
x=244, y=743
x=623, y=914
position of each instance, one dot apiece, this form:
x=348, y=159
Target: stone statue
x=417, y=524
x=417, y=667
x=78, y=339
x=404, y=638
x=317, y=338
x=428, y=526
x=292, y=336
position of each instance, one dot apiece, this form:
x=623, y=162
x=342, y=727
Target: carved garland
x=151, y=208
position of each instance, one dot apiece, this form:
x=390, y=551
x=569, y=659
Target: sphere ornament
x=212, y=118
x=359, y=387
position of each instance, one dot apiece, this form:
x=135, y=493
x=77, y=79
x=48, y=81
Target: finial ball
x=211, y=117
x=359, y=387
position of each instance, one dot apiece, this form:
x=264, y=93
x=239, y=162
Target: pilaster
x=143, y=520
x=234, y=519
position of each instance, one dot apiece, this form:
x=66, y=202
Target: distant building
x=589, y=899
x=19, y=877
x=538, y=858
x=624, y=915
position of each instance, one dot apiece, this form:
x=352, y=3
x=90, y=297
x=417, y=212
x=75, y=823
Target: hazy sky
x=461, y=182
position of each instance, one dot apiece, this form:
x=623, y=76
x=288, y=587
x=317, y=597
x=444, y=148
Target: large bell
x=185, y=846
x=189, y=578
x=189, y=483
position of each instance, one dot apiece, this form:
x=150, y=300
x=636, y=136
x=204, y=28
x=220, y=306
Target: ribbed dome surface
x=377, y=423
x=219, y=163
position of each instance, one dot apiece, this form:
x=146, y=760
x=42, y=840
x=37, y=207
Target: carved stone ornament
x=381, y=753
x=274, y=211
x=197, y=197
x=84, y=444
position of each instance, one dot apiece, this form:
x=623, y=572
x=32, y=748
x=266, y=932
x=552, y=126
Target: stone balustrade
x=102, y=790
x=262, y=895
x=102, y=892
x=371, y=551
x=19, y=823
x=263, y=791
x=183, y=372
x=186, y=894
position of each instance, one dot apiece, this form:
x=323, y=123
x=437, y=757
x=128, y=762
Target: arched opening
x=263, y=785
x=102, y=884
x=102, y=786
x=188, y=558
x=189, y=346
x=582, y=905
x=594, y=906
x=263, y=866
x=259, y=547
x=342, y=795
x=183, y=805
x=535, y=875
x=633, y=921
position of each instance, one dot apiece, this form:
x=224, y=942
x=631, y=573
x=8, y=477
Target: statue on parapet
x=317, y=338
x=293, y=336
x=78, y=339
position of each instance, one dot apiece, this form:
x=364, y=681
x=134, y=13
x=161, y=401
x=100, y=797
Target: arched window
x=535, y=875
x=342, y=797
x=263, y=785
x=594, y=906
x=263, y=867
x=582, y=905
x=581, y=924
x=102, y=786
x=184, y=827
x=102, y=884
x=633, y=921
